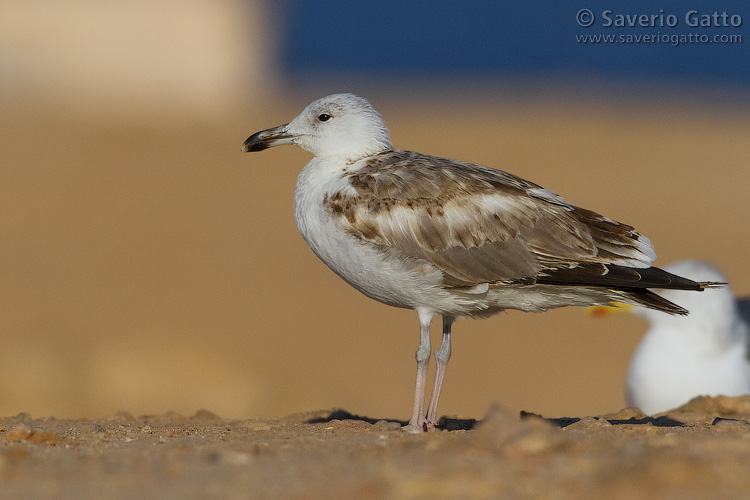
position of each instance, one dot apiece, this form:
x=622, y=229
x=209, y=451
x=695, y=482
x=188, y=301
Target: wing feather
x=480, y=225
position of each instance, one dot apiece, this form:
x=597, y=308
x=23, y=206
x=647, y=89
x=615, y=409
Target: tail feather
x=711, y=284
x=647, y=298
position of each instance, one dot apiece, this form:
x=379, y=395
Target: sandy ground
x=701, y=450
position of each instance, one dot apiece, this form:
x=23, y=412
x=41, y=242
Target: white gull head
x=339, y=126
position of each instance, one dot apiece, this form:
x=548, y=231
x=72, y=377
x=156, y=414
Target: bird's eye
x=324, y=117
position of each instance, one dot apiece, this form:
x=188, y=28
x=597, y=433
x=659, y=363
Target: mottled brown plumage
x=478, y=225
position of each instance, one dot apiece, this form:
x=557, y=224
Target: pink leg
x=442, y=356
x=418, y=421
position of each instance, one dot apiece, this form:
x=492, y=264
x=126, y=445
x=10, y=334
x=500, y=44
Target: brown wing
x=480, y=225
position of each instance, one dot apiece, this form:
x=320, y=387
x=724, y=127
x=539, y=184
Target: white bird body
x=364, y=267
x=450, y=238
x=706, y=353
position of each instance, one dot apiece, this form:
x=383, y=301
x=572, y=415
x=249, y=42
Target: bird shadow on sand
x=445, y=423
x=465, y=424
x=660, y=421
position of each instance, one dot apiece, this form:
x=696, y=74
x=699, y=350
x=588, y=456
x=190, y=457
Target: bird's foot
x=414, y=427
x=420, y=426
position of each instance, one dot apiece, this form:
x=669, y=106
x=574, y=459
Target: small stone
x=385, y=425
x=21, y=432
x=728, y=424
x=205, y=416
x=350, y=424
x=587, y=423
x=626, y=414
x=517, y=437
x=49, y=438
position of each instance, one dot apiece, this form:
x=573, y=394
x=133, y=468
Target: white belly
x=366, y=267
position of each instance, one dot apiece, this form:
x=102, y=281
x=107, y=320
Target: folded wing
x=480, y=225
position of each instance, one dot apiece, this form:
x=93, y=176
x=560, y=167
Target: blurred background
x=147, y=265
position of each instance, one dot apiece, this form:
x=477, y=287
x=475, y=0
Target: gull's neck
x=352, y=160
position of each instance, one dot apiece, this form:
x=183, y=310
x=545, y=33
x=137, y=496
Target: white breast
x=369, y=269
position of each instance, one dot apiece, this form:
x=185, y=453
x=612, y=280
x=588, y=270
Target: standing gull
x=451, y=238
x=706, y=353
